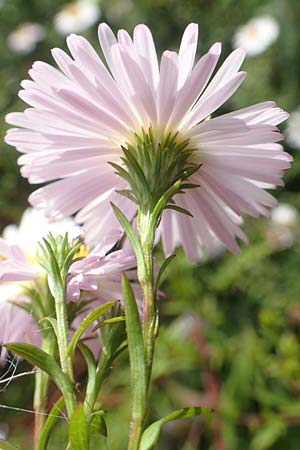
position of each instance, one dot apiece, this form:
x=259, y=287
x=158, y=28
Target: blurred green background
x=230, y=327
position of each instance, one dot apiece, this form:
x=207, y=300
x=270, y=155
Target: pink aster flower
x=97, y=275
x=83, y=112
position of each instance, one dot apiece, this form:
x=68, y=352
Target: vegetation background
x=230, y=327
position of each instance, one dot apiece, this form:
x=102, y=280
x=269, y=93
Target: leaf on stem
x=164, y=265
x=78, y=430
x=44, y=361
x=87, y=322
x=135, y=347
x=130, y=234
x=151, y=434
x=51, y=421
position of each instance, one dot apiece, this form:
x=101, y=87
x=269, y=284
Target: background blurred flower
x=18, y=266
x=77, y=16
x=284, y=214
x=25, y=38
x=257, y=35
x=282, y=230
x=293, y=129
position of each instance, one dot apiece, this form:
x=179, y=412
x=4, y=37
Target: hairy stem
x=146, y=280
x=62, y=342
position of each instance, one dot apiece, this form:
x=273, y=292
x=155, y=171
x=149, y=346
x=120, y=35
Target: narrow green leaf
x=164, y=265
x=52, y=321
x=78, y=430
x=51, y=421
x=4, y=445
x=151, y=434
x=179, y=209
x=130, y=233
x=135, y=347
x=109, y=321
x=162, y=203
x=87, y=322
x=44, y=361
x=91, y=367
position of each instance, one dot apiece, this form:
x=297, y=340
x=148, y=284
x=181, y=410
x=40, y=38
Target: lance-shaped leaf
x=87, y=322
x=130, y=234
x=135, y=347
x=151, y=434
x=78, y=430
x=91, y=367
x=44, y=361
x=54, y=415
x=162, y=270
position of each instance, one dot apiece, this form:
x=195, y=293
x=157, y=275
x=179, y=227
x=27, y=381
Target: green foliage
x=78, y=430
x=151, y=434
x=230, y=327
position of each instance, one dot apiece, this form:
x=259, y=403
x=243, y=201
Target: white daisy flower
x=257, y=35
x=25, y=38
x=76, y=17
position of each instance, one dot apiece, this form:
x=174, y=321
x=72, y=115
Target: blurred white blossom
x=293, y=129
x=257, y=35
x=25, y=38
x=282, y=230
x=284, y=215
x=75, y=17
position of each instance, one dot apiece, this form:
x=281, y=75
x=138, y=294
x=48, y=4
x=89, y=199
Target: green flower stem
x=42, y=382
x=147, y=282
x=146, y=229
x=62, y=342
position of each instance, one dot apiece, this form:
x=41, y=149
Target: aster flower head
x=147, y=121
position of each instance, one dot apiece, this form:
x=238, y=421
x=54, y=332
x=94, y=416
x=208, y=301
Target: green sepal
x=87, y=322
x=78, y=430
x=135, y=347
x=44, y=361
x=151, y=434
x=51, y=421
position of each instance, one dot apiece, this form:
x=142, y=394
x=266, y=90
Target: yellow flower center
x=83, y=252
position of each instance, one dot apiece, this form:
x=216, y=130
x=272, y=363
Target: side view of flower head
x=94, y=274
x=83, y=115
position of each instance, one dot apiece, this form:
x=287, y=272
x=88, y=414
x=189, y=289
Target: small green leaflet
x=151, y=434
x=51, y=421
x=87, y=322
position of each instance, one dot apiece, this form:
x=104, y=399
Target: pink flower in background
x=82, y=113
x=18, y=267
x=98, y=274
